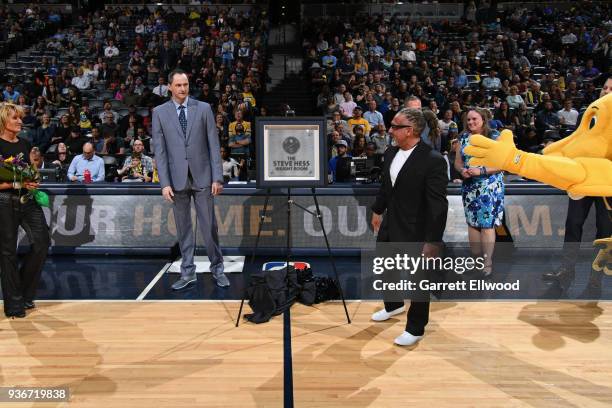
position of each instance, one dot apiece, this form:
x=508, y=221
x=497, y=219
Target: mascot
x=580, y=164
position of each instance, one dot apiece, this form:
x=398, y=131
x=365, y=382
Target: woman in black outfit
x=19, y=284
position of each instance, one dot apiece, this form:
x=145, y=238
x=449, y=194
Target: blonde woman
x=361, y=66
x=19, y=284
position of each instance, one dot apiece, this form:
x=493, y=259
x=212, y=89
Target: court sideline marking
x=153, y=282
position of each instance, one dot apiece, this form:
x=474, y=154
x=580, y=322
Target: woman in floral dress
x=482, y=190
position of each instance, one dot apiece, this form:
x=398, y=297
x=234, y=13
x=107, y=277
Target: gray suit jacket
x=175, y=154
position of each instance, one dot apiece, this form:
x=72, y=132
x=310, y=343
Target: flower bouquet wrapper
x=41, y=198
x=13, y=169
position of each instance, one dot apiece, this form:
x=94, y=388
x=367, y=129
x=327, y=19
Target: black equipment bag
x=273, y=291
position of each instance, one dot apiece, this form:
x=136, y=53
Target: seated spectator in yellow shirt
x=357, y=119
x=247, y=95
x=245, y=124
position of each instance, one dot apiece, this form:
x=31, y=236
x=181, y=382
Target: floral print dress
x=483, y=196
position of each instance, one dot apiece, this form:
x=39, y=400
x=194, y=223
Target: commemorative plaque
x=291, y=152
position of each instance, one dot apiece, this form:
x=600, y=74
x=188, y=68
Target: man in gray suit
x=188, y=157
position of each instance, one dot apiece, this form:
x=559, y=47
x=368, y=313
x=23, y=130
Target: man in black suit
x=412, y=198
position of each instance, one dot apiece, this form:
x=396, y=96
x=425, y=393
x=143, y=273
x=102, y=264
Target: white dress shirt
x=178, y=111
x=398, y=162
x=570, y=117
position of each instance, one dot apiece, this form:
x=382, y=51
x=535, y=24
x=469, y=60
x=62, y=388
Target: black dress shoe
x=29, y=304
x=13, y=314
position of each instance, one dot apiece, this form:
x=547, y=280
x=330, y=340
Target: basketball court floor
x=112, y=331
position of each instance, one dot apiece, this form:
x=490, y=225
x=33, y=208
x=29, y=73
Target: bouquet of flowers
x=16, y=170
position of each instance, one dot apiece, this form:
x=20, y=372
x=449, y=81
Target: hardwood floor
x=166, y=354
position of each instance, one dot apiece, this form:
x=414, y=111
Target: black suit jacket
x=416, y=206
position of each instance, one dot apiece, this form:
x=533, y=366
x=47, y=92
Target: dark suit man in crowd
x=411, y=206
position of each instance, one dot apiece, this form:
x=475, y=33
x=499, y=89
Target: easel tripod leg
x=261, y=221
x=331, y=257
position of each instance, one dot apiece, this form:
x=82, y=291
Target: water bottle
x=87, y=176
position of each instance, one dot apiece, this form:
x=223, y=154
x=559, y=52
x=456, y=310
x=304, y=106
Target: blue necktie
x=183, y=120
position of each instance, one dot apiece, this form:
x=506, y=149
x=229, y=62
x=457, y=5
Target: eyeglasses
x=397, y=127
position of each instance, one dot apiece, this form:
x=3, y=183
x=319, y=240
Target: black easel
x=288, y=254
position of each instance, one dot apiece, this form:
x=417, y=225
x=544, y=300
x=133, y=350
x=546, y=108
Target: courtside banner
x=132, y=221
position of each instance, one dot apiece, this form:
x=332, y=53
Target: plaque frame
x=265, y=127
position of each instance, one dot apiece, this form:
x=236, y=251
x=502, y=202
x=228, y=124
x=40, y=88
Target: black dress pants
x=577, y=213
x=418, y=316
x=19, y=284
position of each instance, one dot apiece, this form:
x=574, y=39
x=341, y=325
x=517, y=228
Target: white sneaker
x=383, y=315
x=407, y=339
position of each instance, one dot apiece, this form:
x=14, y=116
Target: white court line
x=231, y=264
x=153, y=282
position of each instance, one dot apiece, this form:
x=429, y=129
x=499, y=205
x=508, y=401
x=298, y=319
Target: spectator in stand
x=239, y=142
x=358, y=120
x=29, y=121
x=514, y=99
x=492, y=82
x=390, y=114
x=504, y=116
x=109, y=125
x=144, y=137
x=373, y=116
x=129, y=133
x=227, y=51
x=329, y=60
x=82, y=80
x=568, y=116
x=461, y=80
x=246, y=125
x=52, y=96
x=523, y=124
x=72, y=97
x=87, y=161
x=62, y=160
x=38, y=159
x=96, y=139
x=75, y=141
x=380, y=138
x=111, y=50
x=359, y=146
x=147, y=162
x=342, y=151
x=547, y=119
x=108, y=109
x=448, y=128
x=590, y=72
x=231, y=168
x=44, y=133
x=10, y=94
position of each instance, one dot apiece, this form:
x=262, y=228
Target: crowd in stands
x=96, y=81
x=89, y=89
x=19, y=29
x=534, y=71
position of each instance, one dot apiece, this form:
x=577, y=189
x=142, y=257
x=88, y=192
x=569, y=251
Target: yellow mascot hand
x=500, y=154
x=603, y=261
